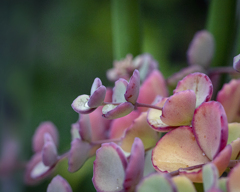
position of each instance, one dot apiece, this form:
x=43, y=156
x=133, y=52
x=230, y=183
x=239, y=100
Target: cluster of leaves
x=123, y=126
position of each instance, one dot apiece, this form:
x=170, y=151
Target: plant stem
x=148, y=106
x=126, y=28
x=231, y=164
x=220, y=23
x=221, y=70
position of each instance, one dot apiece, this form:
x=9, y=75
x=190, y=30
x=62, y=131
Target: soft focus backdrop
x=51, y=51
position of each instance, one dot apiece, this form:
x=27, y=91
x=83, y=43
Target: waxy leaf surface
x=179, y=108
x=109, y=168
x=199, y=83
x=142, y=130
x=210, y=128
x=59, y=184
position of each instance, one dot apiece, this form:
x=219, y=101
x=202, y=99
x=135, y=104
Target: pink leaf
x=179, y=108
x=133, y=86
x=109, y=168
x=210, y=128
x=199, y=83
x=134, y=171
x=78, y=154
x=59, y=184
x=38, y=137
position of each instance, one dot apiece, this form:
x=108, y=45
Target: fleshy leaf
x=210, y=176
x=179, y=108
x=142, y=130
x=199, y=83
x=109, y=168
x=79, y=153
x=177, y=149
x=111, y=111
x=201, y=49
x=156, y=182
x=210, y=128
x=36, y=170
x=38, y=137
x=80, y=105
x=229, y=96
x=119, y=91
x=183, y=184
x=221, y=162
x=233, y=132
x=49, y=151
x=85, y=127
x=133, y=86
x=118, y=126
x=233, y=183
x=96, y=84
x=99, y=125
x=59, y=184
x=97, y=98
x=235, y=149
x=134, y=171
x=154, y=120
x=153, y=86
x=236, y=63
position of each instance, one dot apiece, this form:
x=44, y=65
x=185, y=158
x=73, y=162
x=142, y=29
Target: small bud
x=96, y=84
x=49, y=151
x=201, y=49
x=132, y=91
x=38, y=137
x=97, y=98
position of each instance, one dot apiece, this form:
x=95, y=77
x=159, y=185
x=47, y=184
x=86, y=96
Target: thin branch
x=148, y=106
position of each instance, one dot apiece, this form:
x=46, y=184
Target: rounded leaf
x=59, y=184
x=38, y=137
x=179, y=108
x=80, y=105
x=109, y=168
x=210, y=128
x=199, y=83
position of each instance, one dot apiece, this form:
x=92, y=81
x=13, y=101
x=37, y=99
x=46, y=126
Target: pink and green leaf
x=141, y=129
x=177, y=149
x=134, y=171
x=59, y=184
x=210, y=128
x=109, y=168
x=78, y=154
x=111, y=111
x=133, y=86
x=200, y=84
x=179, y=108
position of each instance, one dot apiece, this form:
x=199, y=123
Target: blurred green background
x=51, y=51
